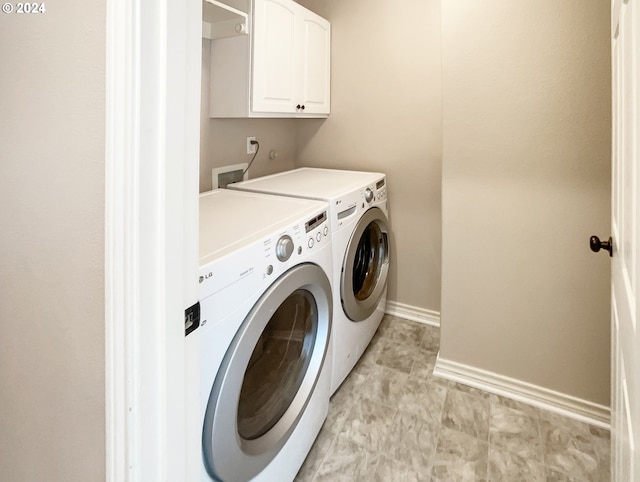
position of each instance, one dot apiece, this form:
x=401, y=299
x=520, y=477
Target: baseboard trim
x=413, y=313
x=524, y=392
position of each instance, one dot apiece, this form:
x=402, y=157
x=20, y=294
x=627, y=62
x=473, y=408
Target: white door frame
x=153, y=67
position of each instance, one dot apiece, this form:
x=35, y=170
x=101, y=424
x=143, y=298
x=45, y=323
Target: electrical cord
x=253, y=158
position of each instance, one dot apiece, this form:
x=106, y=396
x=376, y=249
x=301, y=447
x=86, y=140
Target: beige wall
x=386, y=116
x=52, y=94
x=224, y=141
x=526, y=135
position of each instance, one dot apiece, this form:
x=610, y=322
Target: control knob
x=284, y=248
x=368, y=195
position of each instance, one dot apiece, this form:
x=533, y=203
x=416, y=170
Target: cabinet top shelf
x=215, y=11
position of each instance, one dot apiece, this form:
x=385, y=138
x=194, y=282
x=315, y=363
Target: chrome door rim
x=227, y=455
x=358, y=310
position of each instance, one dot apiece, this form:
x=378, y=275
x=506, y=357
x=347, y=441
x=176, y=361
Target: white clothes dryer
x=361, y=247
x=263, y=340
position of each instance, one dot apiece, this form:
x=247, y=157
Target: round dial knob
x=284, y=248
x=368, y=195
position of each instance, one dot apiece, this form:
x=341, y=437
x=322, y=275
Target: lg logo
x=205, y=277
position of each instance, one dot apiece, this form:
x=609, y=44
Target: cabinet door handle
x=302, y=107
x=298, y=107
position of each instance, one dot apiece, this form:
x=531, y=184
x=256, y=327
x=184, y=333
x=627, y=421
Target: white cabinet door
x=291, y=59
x=274, y=56
x=315, y=72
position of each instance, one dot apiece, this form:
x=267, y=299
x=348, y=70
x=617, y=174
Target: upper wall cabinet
x=281, y=69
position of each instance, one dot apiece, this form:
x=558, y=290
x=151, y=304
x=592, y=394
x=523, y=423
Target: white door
x=625, y=293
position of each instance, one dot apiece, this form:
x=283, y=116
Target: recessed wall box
x=221, y=177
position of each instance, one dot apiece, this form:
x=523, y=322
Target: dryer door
x=366, y=266
x=268, y=375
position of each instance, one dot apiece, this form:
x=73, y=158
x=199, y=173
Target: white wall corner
x=560, y=403
x=413, y=313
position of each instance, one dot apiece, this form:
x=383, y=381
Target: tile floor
x=392, y=420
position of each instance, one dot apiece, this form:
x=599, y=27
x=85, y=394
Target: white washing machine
x=263, y=340
x=361, y=237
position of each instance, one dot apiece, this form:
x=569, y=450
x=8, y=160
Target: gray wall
x=386, y=116
x=224, y=141
x=526, y=180
x=52, y=95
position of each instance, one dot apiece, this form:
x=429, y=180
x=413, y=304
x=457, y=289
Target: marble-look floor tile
x=368, y=424
x=316, y=455
x=569, y=447
x=384, y=385
x=338, y=411
x=371, y=354
x=461, y=387
x=412, y=441
x=424, y=397
x=407, y=333
x=601, y=439
x=460, y=457
x=387, y=422
x=345, y=396
x=466, y=413
x=424, y=363
x=346, y=462
x=515, y=431
x=505, y=466
x=349, y=389
x=431, y=339
x=555, y=476
x=387, y=322
x=391, y=470
x=397, y=356
x=510, y=403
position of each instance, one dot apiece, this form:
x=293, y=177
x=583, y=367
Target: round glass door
x=369, y=259
x=268, y=375
x=277, y=365
x=365, y=266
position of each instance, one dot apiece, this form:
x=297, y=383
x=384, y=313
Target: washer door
x=268, y=375
x=365, y=266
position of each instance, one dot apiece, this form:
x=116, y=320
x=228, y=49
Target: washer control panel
x=244, y=272
x=287, y=247
x=317, y=230
x=284, y=248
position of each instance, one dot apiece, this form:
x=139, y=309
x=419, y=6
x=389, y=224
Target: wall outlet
x=251, y=148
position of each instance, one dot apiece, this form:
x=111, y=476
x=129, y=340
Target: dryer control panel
x=374, y=193
x=381, y=190
x=348, y=208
